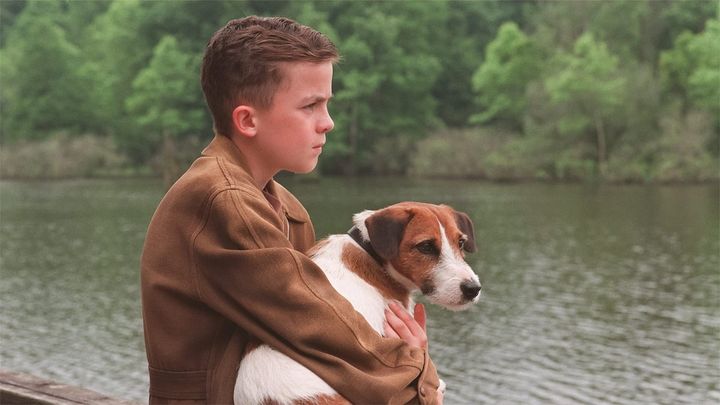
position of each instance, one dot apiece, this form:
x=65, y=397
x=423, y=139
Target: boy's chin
x=304, y=170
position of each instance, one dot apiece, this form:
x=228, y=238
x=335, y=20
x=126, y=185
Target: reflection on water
x=594, y=295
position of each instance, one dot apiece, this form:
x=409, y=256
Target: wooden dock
x=25, y=389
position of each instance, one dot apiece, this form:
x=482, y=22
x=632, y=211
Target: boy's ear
x=244, y=120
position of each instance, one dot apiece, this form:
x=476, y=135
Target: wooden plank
x=25, y=389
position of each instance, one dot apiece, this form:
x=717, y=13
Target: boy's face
x=291, y=132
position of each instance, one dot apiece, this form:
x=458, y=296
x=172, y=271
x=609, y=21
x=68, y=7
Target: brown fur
x=358, y=261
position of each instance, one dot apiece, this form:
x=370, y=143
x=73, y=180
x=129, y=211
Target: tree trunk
x=168, y=160
x=352, y=140
x=601, y=146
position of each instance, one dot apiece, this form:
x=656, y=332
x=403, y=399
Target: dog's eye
x=461, y=243
x=427, y=248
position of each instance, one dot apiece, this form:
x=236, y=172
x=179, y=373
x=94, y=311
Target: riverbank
x=470, y=154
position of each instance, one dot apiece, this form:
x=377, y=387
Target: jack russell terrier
x=389, y=254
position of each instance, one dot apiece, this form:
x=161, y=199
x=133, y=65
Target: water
x=591, y=294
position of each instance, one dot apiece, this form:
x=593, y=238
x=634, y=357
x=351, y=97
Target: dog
x=388, y=254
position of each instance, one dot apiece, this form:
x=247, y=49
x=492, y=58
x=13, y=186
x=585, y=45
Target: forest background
x=620, y=90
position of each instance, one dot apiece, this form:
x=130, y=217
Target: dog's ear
x=385, y=230
x=466, y=226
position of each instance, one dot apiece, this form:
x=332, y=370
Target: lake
x=592, y=294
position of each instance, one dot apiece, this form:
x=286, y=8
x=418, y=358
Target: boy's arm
x=247, y=270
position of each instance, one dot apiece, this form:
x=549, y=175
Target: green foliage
x=469, y=27
x=588, y=87
x=588, y=76
x=682, y=152
x=166, y=99
x=691, y=69
x=623, y=89
x=386, y=62
x=704, y=81
x=626, y=36
x=41, y=90
x=487, y=152
x=511, y=62
x=116, y=53
x=9, y=10
x=677, y=153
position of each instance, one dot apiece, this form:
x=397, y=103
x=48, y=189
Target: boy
x=222, y=266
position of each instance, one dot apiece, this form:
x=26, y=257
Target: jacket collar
x=222, y=147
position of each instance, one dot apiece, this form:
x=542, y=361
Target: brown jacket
x=222, y=264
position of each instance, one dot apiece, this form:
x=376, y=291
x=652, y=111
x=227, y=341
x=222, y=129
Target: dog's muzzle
x=470, y=289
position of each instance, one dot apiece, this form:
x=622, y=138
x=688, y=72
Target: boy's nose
x=326, y=124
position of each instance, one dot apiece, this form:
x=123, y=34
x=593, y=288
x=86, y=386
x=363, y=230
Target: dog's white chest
x=365, y=298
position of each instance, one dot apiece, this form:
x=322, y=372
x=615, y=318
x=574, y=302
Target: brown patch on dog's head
x=407, y=236
x=466, y=226
x=385, y=229
x=425, y=245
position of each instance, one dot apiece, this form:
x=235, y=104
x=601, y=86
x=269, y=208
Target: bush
x=683, y=152
x=174, y=157
x=488, y=153
x=59, y=156
x=680, y=151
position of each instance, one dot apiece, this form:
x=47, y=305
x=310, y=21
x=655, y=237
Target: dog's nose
x=470, y=289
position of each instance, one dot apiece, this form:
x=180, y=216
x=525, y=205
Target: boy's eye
x=310, y=106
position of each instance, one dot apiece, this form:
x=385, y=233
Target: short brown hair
x=241, y=62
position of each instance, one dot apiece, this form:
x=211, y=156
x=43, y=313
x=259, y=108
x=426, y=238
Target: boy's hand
x=399, y=324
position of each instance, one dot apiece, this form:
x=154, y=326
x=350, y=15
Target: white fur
x=359, y=222
x=404, y=281
x=266, y=373
x=450, y=272
x=365, y=298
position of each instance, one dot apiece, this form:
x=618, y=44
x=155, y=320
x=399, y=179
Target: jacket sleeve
x=246, y=269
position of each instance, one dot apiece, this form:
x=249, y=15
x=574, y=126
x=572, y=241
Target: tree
x=41, y=90
x=459, y=44
x=512, y=60
x=692, y=68
x=621, y=25
x=115, y=54
x=166, y=100
x=383, y=85
x=120, y=43
x=9, y=11
x=704, y=81
x=588, y=85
